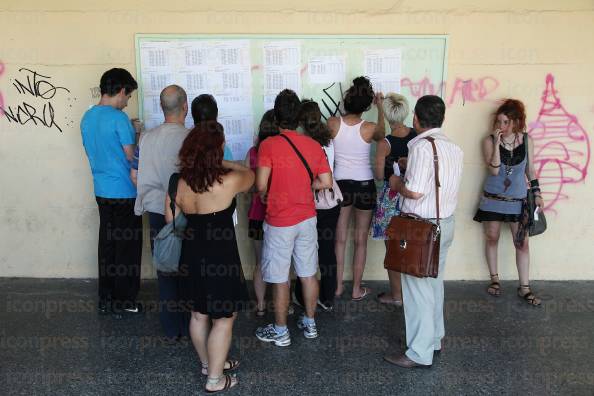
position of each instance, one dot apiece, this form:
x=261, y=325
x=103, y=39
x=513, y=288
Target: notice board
x=245, y=72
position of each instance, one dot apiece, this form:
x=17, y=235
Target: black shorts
x=256, y=230
x=361, y=194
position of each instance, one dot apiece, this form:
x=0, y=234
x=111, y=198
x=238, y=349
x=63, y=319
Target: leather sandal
x=529, y=297
x=233, y=364
x=494, y=288
x=230, y=382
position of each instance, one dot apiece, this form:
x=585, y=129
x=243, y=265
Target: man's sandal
x=230, y=382
x=494, y=288
x=529, y=297
x=230, y=365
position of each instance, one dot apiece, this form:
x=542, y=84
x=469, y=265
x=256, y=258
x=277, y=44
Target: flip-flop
x=392, y=301
x=366, y=292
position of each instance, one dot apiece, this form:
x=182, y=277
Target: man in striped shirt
x=423, y=297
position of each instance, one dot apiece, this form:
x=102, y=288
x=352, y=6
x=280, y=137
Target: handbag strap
x=311, y=178
x=172, y=191
x=437, y=183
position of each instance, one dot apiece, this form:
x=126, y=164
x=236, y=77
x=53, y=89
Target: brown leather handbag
x=413, y=242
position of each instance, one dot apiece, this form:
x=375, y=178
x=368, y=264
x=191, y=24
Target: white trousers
x=423, y=305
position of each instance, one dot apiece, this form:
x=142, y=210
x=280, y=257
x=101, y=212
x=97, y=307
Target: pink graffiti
x=421, y=88
x=464, y=90
x=472, y=90
x=561, y=147
x=1, y=97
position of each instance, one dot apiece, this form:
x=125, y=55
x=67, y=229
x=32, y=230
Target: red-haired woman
x=506, y=152
x=213, y=285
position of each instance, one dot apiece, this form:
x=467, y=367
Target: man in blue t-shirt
x=109, y=139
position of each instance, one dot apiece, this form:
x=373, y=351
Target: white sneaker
x=309, y=330
x=269, y=334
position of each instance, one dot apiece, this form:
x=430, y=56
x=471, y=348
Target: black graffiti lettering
x=332, y=111
x=37, y=85
x=27, y=112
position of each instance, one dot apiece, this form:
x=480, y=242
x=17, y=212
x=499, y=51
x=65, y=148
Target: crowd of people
x=297, y=157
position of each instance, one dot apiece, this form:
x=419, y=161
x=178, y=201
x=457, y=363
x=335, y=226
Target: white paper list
x=221, y=68
x=326, y=69
x=282, y=69
x=384, y=68
x=238, y=133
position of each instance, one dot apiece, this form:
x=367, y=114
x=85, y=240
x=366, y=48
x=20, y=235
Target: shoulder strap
x=436, y=167
x=172, y=191
x=527, y=148
x=311, y=178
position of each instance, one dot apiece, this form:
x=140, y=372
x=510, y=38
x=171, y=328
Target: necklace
x=508, y=169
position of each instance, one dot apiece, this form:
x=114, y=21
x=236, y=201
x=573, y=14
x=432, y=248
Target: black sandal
x=495, y=286
x=529, y=297
x=229, y=383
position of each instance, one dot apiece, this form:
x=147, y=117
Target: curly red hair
x=201, y=156
x=515, y=111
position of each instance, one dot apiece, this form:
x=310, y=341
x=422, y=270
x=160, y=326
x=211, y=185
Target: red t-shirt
x=290, y=196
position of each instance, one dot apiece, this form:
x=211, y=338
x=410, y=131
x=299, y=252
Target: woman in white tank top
x=352, y=170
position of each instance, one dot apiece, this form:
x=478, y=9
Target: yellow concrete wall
x=48, y=216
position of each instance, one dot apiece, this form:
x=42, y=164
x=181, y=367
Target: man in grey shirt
x=157, y=160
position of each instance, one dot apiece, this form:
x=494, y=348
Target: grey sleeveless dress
x=509, y=210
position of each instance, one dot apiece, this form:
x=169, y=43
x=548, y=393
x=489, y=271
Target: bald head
x=173, y=98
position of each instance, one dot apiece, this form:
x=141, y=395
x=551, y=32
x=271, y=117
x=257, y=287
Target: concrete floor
x=53, y=342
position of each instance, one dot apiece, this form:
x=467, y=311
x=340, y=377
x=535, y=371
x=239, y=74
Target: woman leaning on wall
x=506, y=152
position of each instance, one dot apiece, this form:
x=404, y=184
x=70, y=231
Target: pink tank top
x=351, y=154
x=257, y=208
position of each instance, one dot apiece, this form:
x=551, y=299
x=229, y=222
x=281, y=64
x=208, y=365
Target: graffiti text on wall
x=461, y=91
x=38, y=108
x=561, y=147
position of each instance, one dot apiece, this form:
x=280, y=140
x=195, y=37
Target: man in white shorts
x=289, y=166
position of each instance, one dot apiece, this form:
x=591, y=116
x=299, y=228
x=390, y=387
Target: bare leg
x=395, y=285
x=362, y=223
x=219, y=342
x=199, y=330
x=523, y=265
x=281, y=303
x=259, y=284
x=395, y=293
x=311, y=290
x=342, y=231
x=522, y=257
x=492, y=230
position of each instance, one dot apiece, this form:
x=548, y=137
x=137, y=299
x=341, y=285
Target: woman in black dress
x=213, y=286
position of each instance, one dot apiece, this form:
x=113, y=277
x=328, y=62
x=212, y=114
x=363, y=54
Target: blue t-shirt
x=228, y=156
x=105, y=130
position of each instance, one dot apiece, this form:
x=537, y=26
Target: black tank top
x=398, y=149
